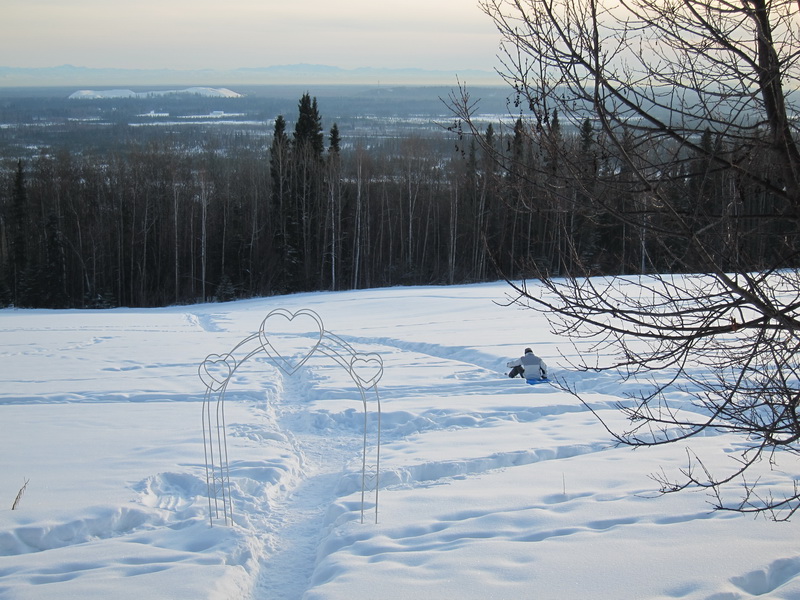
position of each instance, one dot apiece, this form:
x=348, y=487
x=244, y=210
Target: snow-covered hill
x=489, y=488
x=124, y=93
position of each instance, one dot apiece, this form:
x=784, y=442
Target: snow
x=126, y=93
x=490, y=488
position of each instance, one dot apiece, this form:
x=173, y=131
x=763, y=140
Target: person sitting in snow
x=528, y=366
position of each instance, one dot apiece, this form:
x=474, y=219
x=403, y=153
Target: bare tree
x=686, y=113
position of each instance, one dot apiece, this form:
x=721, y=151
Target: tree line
x=155, y=224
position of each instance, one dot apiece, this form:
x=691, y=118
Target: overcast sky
x=191, y=34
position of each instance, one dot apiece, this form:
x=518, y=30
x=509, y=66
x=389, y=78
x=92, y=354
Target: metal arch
x=216, y=371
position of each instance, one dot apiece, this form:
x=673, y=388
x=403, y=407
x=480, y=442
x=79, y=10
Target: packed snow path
x=296, y=518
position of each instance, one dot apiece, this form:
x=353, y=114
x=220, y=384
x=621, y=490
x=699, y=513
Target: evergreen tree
x=308, y=129
x=554, y=143
x=54, y=283
x=334, y=139
x=5, y=293
x=587, y=136
x=333, y=214
x=19, y=236
x=307, y=194
x=278, y=150
x=225, y=290
x=283, y=220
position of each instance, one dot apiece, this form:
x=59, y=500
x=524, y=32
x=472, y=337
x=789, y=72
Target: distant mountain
x=68, y=75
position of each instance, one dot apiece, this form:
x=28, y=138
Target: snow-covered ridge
x=125, y=93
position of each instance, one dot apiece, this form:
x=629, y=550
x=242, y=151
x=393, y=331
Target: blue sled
x=536, y=381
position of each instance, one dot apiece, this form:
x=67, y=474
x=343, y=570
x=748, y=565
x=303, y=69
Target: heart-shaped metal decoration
x=366, y=369
x=216, y=370
x=290, y=339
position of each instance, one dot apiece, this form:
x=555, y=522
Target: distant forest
x=163, y=222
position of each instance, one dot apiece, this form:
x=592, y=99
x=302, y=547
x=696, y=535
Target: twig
x=19, y=495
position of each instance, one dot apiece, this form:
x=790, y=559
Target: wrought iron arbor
x=289, y=340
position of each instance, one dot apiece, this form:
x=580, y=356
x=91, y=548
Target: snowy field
x=489, y=488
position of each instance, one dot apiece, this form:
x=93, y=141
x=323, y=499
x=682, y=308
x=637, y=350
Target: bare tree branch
x=684, y=125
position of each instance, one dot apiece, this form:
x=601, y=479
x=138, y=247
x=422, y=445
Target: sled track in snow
x=299, y=511
x=303, y=506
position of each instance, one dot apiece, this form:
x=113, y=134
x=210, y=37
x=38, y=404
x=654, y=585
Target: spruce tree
x=278, y=151
x=226, y=291
x=334, y=139
x=19, y=237
x=307, y=164
x=308, y=129
x=284, y=220
x=54, y=285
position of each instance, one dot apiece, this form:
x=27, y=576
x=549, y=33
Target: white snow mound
x=125, y=93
